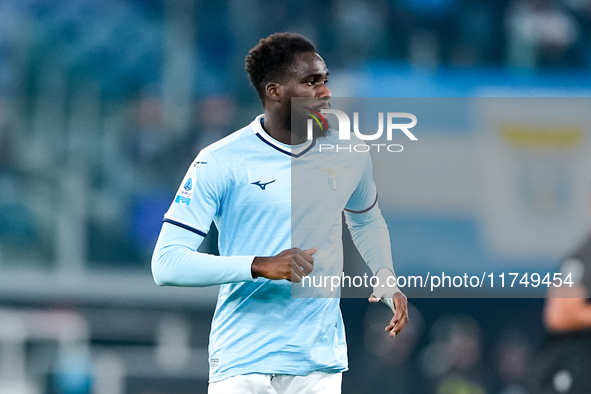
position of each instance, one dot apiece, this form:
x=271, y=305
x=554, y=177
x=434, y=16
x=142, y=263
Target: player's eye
x=311, y=82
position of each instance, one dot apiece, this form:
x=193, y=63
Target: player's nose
x=325, y=92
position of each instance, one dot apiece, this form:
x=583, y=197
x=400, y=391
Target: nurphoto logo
x=344, y=129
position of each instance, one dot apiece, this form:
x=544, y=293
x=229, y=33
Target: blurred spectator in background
x=147, y=143
x=477, y=35
x=512, y=362
x=389, y=365
x=362, y=29
x=433, y=31
x=6, y=138
x=17, y=222
x=213, y=118
x=452, y=360
x=540, y=34
x=565, y=362
x=581, y=11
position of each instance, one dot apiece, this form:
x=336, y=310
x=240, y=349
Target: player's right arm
x=176, y=262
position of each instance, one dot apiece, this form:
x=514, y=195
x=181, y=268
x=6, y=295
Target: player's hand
x=399, y=305
x=291, y=264
x=394, y=298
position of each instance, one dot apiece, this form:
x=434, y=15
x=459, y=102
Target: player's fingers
x=311, y=251
x=393, y=334
x=373, y=298
x=295, y=276
x=400, y=317
x=399, y=320
x=393, y=322
x=403, y=322
x=307, y=256
x=390, y=328
x=301, y=265
x=299, y=255
x=396, y=319
x=395, y=330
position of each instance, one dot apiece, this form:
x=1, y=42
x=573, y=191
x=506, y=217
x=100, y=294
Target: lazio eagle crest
x=333, y=176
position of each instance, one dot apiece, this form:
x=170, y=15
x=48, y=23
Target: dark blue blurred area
x=122, y=44
x=495, y=334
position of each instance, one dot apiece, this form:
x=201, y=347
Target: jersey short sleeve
x=365, y=195
x=199, y=196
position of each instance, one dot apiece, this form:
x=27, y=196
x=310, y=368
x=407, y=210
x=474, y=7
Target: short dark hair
x=272, y=57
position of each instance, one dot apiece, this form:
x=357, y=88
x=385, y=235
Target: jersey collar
x=290, y=150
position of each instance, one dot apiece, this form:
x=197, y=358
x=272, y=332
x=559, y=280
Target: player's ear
x=274, y=91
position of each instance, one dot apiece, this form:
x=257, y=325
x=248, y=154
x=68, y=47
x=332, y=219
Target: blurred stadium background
x=103, y=104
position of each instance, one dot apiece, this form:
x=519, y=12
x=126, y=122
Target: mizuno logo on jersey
x=262, y=185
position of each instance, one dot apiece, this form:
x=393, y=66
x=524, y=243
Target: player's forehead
x=307, y=64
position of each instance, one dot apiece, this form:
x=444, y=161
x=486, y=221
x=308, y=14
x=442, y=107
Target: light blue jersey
x=265, y=197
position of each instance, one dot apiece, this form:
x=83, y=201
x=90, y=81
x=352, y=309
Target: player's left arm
x=371, y=237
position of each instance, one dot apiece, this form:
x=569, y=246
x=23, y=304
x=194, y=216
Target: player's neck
x=276, y=127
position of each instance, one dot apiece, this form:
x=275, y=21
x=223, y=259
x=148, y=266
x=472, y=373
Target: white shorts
x=256, y=383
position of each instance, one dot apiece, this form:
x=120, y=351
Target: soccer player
x=263, y=339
